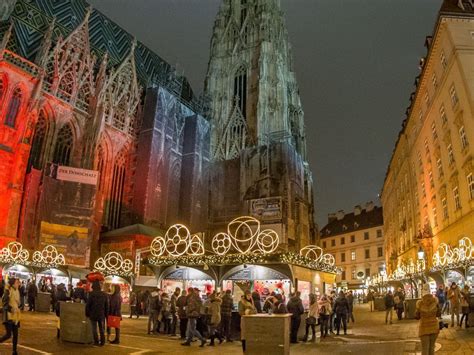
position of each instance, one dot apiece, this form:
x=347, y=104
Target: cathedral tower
x=258, y=137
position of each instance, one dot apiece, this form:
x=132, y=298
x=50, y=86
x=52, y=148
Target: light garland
x=447, y=257
x=14, y=253
x=177, y=242
x=317, y=253
x=113, y=264
x=48, y=257
x=245, y=237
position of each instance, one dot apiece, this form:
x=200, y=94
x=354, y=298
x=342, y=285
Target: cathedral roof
x=31, y=20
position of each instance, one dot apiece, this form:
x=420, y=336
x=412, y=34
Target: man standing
x=183, y=319
x=174, y=310
x=226, y=314
x=454, y=296
x=389, y=303
x=350, y=300
x=97, y=309
x=193, y=307
x=32, y=292
x=154, y=309
x=341, y=309
x=370, y=299
x=295, y=307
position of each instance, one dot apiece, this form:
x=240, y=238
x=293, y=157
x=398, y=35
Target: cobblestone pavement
x=368, y=335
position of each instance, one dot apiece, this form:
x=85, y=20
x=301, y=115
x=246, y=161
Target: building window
x=114, y=212
x=367, y=253
x=343, y=241
x=427, y=147
x=2, y=90
x=439, y=165
x=353, y=238
x=427, y=99
x=435, y=217
x=343, y=275
x=13, y=108
x=430, y=175
x=367, y=272
x=450, y=154
x=444, y=204
x=435, y=81
x=240, y=90
x=454, y=96
x=379, y=233
x=462, y=135
x=333, y=242
x=324, y=245
x=444, y=62
x=423, y=189
x=366, y=235
x=353, y=273
x=434, y=134
x=343, y=257
x=353, y=255
x=379, y=252
x=442, y=115
x=457, y=198
x=38, y=145
x=470, y=186
x=63, y=148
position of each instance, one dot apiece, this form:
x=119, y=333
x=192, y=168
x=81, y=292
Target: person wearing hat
x=427, y=311
x=11, y=312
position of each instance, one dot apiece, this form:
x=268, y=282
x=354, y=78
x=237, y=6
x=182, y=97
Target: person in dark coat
x=257, y=301
x=97, y=309
x=350, y=301
x=389, y=304
x=399, y=299
x=280, y=307
x=79, y=294
x=32, y=292
x=295, y=307
x=61, y=295
x=183, y=318
x=115, y=309
x=341, y=309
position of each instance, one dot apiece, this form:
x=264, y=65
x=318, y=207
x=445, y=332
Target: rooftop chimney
x=357, y=210
x=340, y=215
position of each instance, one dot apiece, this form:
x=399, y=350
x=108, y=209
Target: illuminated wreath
x=177, y=242
x=221, y=243
x=313, y=252
x=14, y=253
x=112, y=263
x=49, y=255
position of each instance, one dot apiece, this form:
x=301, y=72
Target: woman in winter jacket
x=11, y=312
x=427, y=310
x=115, y=309
x=465, y=298
x=325, y=311
x=215, y=318
x=313, y=315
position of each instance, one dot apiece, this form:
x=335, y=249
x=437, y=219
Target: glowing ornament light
x=113, y=263
x=49, y=256
x=14, y=253
x=178, y=241
x=445, y=255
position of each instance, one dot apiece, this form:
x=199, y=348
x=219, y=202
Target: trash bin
x=410, y=307
x=266, y=334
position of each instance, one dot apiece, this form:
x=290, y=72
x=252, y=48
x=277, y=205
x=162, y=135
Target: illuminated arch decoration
x=14, y=253
x=177, y=241
x=446, y=256
x=113, y=264
x=317, y=254
x=48, y=257
x=245, y=237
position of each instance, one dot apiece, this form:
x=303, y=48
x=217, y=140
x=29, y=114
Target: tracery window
x=2, y=89
x=116, y=192
x=101, y=167
x=67, y=85
x=63, y=148
x=36, y=159
x=13, y=108
x=240, y=90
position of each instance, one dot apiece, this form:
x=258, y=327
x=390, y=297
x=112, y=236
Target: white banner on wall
x=83, y=176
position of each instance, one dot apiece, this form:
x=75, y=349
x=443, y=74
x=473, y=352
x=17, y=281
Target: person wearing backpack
x=325, y=310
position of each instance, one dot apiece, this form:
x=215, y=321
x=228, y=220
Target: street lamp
x=421, y=253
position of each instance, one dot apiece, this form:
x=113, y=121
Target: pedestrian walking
x=226, y=314
x=389, y=304
x=312, y=319
x=441, y=295
x=97, y=308
x=11, y=312
x=427, y=310
x=341, y=309
x=295, y=307
x=183, y=319
x=174, y=310
x=154, y=309
x=332, y=317
x=370, y=299
x=22, y=291
x=246, y=307
x=32, y=292
x=115, y=314
x=215, y=319
x=325, y=310
x=465, y=299
x=350, y=301
x=193, y=306
x=399, y=299
x=133, y=304
x=454, y=296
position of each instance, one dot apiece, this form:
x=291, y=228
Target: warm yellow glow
x=49, y=255
x=178, y=241
x=446, y=255
x=14, y=253
x=113, y=263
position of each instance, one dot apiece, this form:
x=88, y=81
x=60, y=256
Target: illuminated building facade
x=428, y=193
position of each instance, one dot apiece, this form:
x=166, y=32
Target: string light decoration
x=114, y=264
x=245, y=237
x=14, y=253
x=48, y=257
x=447, y=257
x=178, y=241
x=317, y=253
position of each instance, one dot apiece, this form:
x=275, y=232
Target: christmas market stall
x=14, y=261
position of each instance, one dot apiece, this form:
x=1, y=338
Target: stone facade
x=428, y=193
x=258, y=137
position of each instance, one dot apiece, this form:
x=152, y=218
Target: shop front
x=186, y=277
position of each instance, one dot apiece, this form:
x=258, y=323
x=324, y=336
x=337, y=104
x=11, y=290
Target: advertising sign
x=83, y=176
x=71, y=241
x=266, y=209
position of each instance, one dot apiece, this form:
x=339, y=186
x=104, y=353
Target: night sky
x=355, y=60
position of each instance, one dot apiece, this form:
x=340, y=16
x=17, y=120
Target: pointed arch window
x=67, y=85
x=13, y=108
x=63, y=148
x=114, y=211
x=101, y=167
x=240, y=90
x=36, y=159
x=2, y=90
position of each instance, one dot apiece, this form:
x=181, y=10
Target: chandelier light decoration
x=177, y=241
x=316, y=253
x=244, y=236
x=14, y=253
x=113, y=264
x=48, y=257
x=445, y=256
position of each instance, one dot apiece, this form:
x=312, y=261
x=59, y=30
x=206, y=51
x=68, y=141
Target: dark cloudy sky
x=355, y=60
